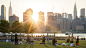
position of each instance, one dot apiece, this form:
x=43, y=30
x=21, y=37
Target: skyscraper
x=41, y=18
x=75, y=11
x=10, y=10
x=65, y=15
x=70, y=17
x=41, y=22
x=76, y=22
x=27, y=16
x=3, y=12
x=82, y=12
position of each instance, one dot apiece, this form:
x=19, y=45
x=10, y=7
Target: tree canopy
x=28, y=28
x=17, y=27
x=4, y=26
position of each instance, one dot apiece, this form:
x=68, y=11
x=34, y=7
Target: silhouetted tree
x=28, y=28
x=17, y=27
x=4, y=26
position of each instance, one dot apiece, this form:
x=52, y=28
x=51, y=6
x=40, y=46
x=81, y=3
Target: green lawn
x=82, y=44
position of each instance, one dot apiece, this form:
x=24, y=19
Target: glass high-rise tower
x=3, y=12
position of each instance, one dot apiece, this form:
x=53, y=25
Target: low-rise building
x=79, y=28
x=13, y=18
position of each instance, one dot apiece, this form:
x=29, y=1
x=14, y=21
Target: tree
x=4, y=26
x=17, y=27
x=28, y=28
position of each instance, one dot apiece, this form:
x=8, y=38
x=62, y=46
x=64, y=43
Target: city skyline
x=60, y=6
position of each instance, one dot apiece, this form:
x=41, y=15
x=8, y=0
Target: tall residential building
x=82, y=12
x=64, y=25
x=41, y=18
x=52, y=24
x=3, y=12
x=10, y=10
x=48, y=14
x=70, y=17
x=13, y=18
x=75, y=11
x=65, y=15
x=41, y=22
x=27, y=16
x=76, y=22
x=82, y=18
x=55, y=22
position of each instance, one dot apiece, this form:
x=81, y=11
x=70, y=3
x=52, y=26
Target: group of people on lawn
x=16, y=39
x=30, y=40
x=70, y=41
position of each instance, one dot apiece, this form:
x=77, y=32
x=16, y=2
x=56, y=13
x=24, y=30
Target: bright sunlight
x=37, y=7
x=35, y=17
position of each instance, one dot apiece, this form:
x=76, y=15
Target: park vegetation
x=16, y=26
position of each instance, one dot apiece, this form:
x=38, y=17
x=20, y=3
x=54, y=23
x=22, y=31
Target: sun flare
x=37, y=7
x=35, y=17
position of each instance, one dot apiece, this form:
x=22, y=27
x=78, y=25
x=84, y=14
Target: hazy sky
x=20, y=6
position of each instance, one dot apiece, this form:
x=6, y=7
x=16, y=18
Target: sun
x=35, y=17
x=37, y=7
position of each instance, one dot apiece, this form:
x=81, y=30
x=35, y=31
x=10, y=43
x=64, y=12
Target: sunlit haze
x=35, y=17
x=20, y=6
x=36, y=7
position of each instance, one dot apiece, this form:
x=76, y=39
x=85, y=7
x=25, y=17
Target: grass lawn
x=82, y=44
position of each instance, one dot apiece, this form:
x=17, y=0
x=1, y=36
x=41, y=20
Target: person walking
x=68, y=41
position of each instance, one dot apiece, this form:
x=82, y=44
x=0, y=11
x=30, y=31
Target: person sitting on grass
x=28, y=39
x=54, y=41
x=72, y=45
x=71, y=42
x=68, y=41
x=6, y=38
x=20, y=41
x=77, y=41
x=12, y=39
x=38, y=39
x=43, y=40
x=32, y=40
